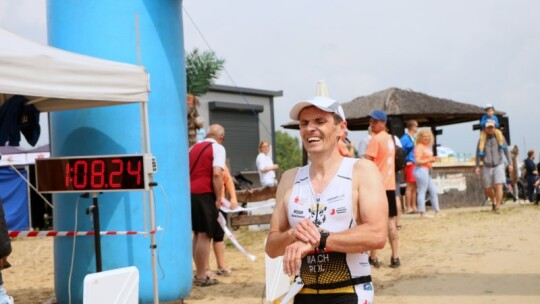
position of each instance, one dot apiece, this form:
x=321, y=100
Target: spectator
x=493, y=173
x=362, y=146
x=531, y=174
x=346, y=146
x=266, y=166
x=399, y=180
x=490, y=116
x=424, y=159
x=219, y=234
x=536, y=186
x=206, y=165
x=515, y=174
x=407, y=141
x=381, y=150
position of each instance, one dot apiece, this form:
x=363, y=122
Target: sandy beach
x=470, y=256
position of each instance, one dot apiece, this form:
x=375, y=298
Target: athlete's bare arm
x=281, y=234
x=369, y=198
x=217, y=183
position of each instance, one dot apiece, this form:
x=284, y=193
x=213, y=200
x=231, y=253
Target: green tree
x=288, y=151
x=201, y=70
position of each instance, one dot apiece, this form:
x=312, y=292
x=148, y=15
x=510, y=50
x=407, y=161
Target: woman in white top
x=266, y=166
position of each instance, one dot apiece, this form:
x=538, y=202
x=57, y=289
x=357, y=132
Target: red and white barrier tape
x=20, y=233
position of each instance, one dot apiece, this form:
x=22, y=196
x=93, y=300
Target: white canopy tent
x=54, y=79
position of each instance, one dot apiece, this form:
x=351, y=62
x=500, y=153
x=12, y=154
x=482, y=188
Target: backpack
x=399, y=161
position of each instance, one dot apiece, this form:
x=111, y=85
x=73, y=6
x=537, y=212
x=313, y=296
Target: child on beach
x=489, y=116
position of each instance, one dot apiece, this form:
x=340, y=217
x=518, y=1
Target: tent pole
x=145, y=132
x=146, y=150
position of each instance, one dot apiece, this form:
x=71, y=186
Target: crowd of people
x=333, y=214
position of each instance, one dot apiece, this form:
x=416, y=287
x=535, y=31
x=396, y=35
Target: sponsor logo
x=317, y=214
x=341, y=210
x=299, y=200
x=316, y=262
x=333, y=211
x=336, y=198
x=298, y=214
x=368, y=286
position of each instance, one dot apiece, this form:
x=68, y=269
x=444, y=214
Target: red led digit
x=97, y=174
x=135, y=171
x=116, y=173
x=80, y=171
x=67, y=175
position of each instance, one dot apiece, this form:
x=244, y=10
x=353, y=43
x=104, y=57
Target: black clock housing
x=91, y=173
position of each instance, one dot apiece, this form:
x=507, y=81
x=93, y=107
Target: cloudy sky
x=476, y=51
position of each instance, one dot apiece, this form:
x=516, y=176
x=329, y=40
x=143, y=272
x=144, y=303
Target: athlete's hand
x=292, y=259
x=307, y=232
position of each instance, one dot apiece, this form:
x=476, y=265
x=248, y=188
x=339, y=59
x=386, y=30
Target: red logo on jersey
x=296, y=199
x=333, y=211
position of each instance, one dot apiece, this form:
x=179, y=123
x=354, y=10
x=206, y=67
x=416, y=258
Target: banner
x=14, y=193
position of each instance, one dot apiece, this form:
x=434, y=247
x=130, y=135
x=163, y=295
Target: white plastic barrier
x=118, y=286
x=277, y=282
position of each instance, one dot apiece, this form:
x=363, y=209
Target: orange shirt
x=423, y=152
x=381, y=148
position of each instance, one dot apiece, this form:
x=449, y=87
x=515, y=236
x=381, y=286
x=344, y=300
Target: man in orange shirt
x=382, y=150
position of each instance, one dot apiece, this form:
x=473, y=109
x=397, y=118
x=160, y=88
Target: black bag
x=399, y=161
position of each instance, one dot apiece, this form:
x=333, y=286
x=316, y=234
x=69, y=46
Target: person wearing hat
x=328, y=214
x=493, y=173
x=489, y=116
x=381, y=150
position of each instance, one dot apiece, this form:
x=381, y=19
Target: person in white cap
x=328, y=213
x=490, y=117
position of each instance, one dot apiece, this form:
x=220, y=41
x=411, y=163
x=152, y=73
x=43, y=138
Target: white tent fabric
x=54, y=79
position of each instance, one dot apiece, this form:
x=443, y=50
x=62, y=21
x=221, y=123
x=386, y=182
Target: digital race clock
x=94, y=173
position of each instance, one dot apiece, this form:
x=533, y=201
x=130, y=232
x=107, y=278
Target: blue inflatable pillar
x=108, y=29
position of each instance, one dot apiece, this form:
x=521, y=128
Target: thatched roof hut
x=402, y=105
x=408, y=104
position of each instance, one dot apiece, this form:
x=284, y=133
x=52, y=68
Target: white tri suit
x=330, y=277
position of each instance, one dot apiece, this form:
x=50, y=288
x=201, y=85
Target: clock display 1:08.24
x=91, y=173
x=102, y=173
